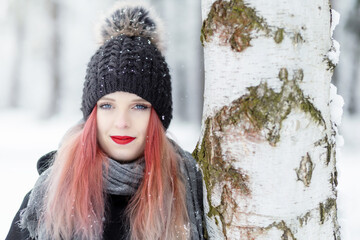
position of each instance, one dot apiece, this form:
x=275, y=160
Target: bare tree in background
x=44, y=61
x=267, y=149
x=19, y=17
x=182, y=23
x=353, y=26
x=53, y=106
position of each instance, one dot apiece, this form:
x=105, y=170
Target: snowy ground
x=25, y=138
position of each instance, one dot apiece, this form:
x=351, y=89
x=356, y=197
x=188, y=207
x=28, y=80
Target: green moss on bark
x=266, y=109
x=325, y=209
x=217, y=171
x=279, y=35
x=234, y=21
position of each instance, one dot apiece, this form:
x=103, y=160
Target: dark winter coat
x=116, y=225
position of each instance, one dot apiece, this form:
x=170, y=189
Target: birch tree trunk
x=267, y=149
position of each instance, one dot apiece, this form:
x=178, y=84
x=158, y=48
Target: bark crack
x=305, y=170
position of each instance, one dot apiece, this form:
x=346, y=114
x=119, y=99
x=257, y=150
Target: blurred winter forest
x=45, y=46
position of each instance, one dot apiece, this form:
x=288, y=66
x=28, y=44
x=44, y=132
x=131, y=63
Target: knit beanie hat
x=130, y=60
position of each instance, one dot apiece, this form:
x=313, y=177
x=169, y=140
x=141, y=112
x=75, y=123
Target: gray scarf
x=124, y=179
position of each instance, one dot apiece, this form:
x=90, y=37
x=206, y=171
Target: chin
x=123, y=157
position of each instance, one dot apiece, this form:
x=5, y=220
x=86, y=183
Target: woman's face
x=122, y=120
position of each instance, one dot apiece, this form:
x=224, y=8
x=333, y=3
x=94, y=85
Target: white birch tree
x=267, y=149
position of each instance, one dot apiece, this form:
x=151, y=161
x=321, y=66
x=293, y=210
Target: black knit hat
x=129, y=60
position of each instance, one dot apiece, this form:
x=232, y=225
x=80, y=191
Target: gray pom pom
x=132, y=20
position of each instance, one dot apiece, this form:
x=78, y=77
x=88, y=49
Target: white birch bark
x=267, y=148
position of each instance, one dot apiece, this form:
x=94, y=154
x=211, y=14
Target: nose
x=122, y=120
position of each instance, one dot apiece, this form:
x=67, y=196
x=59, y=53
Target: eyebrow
x=140, y=100
x=106, y=99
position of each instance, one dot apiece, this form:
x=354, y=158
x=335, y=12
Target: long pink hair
x=74, y=205
x=158, y=209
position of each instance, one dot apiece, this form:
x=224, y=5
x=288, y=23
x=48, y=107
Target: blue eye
x=105, y=106
x=140, y=107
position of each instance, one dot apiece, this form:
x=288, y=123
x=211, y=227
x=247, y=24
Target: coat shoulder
x=45, y=161
x=16, y=232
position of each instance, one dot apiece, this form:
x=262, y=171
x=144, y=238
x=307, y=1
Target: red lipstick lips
x=122, y=139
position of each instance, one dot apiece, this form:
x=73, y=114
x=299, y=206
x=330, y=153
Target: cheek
x=102, y=128
x=143, y=124
x=140, y=121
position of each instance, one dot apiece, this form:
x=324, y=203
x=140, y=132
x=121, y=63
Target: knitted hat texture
x=129, y=60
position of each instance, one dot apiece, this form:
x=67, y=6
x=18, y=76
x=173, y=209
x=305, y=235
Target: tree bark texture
x=267, y=149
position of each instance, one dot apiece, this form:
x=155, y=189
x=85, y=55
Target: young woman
x=116, y=175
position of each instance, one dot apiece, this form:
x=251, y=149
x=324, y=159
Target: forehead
x=122, y=96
